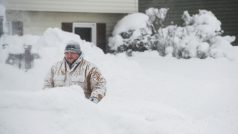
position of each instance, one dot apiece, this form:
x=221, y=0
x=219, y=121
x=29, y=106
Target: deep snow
x=147, y=93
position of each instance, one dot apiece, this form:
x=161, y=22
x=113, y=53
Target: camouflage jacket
x=82, y=73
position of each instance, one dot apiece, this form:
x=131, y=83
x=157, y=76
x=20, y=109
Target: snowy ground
x=157, y=95
x=147, y=94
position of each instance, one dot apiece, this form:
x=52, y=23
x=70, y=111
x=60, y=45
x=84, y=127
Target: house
x=93, y=20
x=225, y=10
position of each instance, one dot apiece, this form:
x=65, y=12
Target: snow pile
x=55, y=38
x=55, y=111
x=162, y=94
x=49, y=46
x=198, y=37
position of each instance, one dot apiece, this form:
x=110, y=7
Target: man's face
x=71, y=56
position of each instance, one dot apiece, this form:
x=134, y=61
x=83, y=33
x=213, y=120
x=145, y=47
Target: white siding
x=91, y=6
x=36, y=23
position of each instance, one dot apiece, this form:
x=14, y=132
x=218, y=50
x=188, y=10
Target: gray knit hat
x=73, y=47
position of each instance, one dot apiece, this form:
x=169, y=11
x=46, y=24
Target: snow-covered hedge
x=201, y=35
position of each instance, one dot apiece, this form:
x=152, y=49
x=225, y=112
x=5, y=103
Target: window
x=17, y=28
x=86, y=31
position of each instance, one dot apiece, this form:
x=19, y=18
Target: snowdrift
x=147, y=93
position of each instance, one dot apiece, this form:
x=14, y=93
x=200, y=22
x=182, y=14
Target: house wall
x=36, y=22
x=91, y=6
x=225, y=10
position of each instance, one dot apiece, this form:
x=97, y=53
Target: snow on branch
x=199, y=37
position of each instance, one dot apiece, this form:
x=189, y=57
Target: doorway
x=86, y=31
x=93, y=32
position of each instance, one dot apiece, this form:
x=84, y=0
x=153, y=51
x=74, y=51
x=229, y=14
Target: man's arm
x=98, y=85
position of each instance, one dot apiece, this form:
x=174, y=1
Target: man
x=75, y=70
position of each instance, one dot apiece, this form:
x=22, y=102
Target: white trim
x=88, y=25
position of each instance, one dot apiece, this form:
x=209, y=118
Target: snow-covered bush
x=200, y=36
x=156, y=18
x=133, y=32
x=130, y=33
x=197, y=38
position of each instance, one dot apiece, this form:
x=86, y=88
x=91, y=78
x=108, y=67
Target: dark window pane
x=84, y=32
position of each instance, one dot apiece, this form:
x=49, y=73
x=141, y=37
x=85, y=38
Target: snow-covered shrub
x=135, y=30
x=130, y=33
x=200, y=36
x=220, y=45
x=195, y=39
x=156, y=18
x=204, y=24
